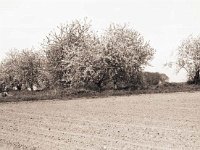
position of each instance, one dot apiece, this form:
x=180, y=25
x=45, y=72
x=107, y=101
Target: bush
x=154, y=78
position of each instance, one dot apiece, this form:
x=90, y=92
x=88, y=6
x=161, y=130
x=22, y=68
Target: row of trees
x=77, y=55
x=74, y=55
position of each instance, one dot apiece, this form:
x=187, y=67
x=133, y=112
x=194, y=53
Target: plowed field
x=151, y=121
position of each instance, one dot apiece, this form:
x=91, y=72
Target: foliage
x=126, y=53
x=76, y=54
x=25, y=66
x=154, y=78
x=71, y=51
x=189, y=57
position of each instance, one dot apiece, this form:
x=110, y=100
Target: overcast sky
x=165, y=23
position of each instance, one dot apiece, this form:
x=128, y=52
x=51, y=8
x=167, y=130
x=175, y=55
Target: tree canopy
x=77, y=54
x=189, y=57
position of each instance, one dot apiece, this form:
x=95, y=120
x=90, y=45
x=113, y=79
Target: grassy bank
x=68, y=94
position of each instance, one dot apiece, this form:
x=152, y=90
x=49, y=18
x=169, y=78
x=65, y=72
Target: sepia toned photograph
x=99, y=75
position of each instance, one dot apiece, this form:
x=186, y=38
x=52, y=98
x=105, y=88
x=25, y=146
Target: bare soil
x=151, y=121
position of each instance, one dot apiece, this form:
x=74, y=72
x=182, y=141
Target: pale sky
x=165, y=23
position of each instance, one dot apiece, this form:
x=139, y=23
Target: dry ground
x=151, y=121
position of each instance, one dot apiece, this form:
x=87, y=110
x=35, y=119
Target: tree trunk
x=31, y=85
x=100, y=83
x=196, y=77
